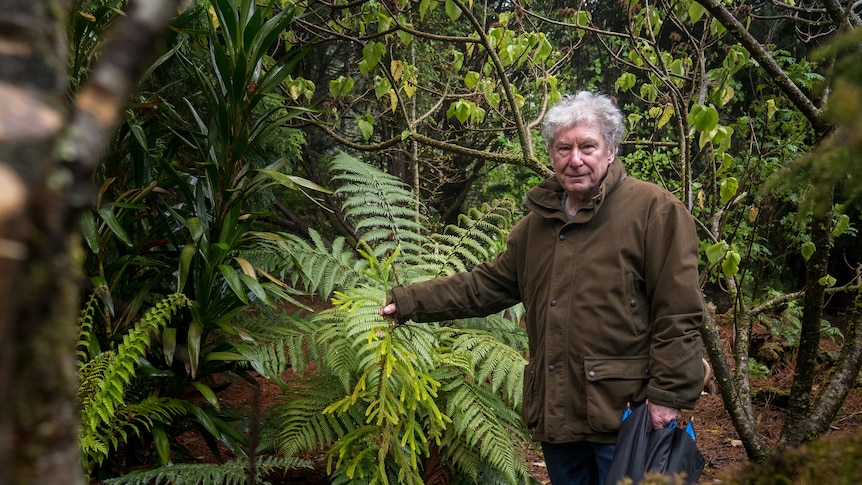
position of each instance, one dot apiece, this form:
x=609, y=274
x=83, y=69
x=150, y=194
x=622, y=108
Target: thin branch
x=815, y=116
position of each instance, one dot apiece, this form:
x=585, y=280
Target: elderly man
x=606, y=266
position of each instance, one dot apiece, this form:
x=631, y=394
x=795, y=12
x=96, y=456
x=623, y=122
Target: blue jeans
x=581, y=463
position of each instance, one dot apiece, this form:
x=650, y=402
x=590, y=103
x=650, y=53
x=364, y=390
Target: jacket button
x=551, y=438
x=551, y=367
x=553, y=302
x=592, y=373
x=647, y=372
x=562, y=237
x=633, y=303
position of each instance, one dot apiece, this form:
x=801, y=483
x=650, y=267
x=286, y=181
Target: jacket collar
x=546, y=198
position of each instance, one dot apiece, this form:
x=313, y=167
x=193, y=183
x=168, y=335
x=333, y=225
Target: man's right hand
x=389, y=311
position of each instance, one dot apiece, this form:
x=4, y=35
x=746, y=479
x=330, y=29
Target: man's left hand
x=661, y=416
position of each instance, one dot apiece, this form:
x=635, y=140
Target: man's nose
x=576, y=158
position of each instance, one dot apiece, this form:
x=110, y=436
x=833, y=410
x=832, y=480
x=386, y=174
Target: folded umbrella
x=639, y=450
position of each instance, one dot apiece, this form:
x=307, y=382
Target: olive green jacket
x=613, y=305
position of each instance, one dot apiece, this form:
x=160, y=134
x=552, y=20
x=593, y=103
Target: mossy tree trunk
x=47, y=156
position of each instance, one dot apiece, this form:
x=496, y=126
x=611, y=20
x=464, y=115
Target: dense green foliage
x=384, y=397
x=175, y=214
x=212, y=218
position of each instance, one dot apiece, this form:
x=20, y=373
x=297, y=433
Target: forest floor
x=717, y=439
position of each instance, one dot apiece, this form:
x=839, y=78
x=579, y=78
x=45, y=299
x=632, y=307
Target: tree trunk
x=38, y=427
x=45, y=178
x=740, y=414
x=795, y=429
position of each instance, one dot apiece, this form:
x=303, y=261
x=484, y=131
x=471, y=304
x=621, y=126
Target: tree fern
x=394, y=391
x=234, y=472
x=302, y=424
x=380, y=207
x=320, y=268
x=469, y=243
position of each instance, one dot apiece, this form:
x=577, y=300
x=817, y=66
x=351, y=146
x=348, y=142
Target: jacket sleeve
x=486, y=289
x=676, y=349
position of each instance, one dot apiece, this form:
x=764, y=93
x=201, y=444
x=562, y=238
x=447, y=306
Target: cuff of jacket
x=666, y=398
x=403, y=303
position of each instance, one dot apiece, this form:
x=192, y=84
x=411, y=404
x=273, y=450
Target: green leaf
x=471, y=79
x=827, y=281
x=716, y=252
x=706, y=118
x=138, y=132
x=224, y=356
x=452, y=10
x=292, y=181
x=110, y=219
x=625, y=82
x=371, y=55
x=169, y=344
x=207, y=393
x=582, y=18
x=381, y=86
x=841, y=225
x=462, y=111
x=194, y=344
x=366, y=125
x=808, y=249
x=233, y=280
x=88, y=228
x=730, y=265
x=666, y=115
x=771, y=108
x=186, y=257
x=728, y=189
x=695, y=11
x=162, y=443
x=677, y=68
x=255, y=287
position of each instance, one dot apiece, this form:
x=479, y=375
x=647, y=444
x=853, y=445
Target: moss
x=832, y=460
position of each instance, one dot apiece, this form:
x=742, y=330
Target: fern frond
x=97, y=443
x=291, y=334
x=501, y=366
x=321, y=268
x=482, y=421
x=342, y=337
x=503, y=326
x=91, y=376
x=303, y=425
x=469, y=243
x=104, y=380
x=234, y=472
x=380, y=206
x=87, y=345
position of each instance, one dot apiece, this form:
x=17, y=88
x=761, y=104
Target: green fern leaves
x=234, y=472
x=397, y=391
x=106, y=416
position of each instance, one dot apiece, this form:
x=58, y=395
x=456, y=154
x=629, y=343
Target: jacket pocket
x=530, y=402
x=637, y=304
x=613, y=383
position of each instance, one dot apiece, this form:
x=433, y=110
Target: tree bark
x=796, y=428
x=740, y=414
x=45, y=178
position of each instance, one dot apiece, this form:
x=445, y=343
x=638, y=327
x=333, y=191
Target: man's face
x=580, y=158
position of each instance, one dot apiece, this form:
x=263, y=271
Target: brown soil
x=716, y=437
